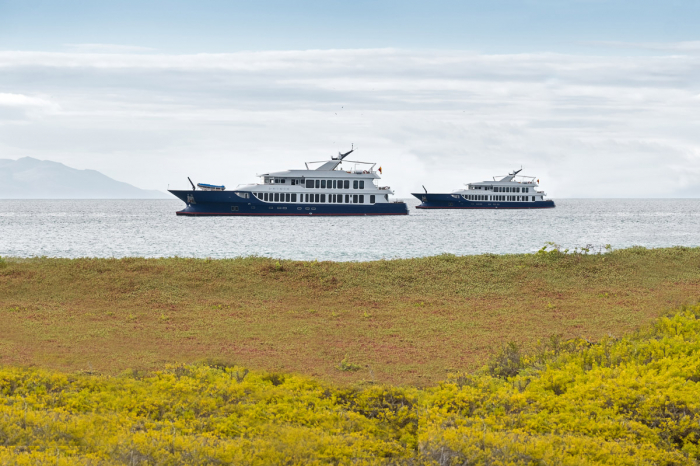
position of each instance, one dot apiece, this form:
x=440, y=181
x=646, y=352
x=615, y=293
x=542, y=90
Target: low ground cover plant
x=630, y=400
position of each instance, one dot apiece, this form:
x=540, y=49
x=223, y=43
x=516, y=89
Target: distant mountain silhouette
x=29, y=178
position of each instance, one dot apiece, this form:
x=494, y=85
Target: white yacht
x=508, y=192
x=334, y=187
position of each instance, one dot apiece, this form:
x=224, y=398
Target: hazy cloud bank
x=588, y=126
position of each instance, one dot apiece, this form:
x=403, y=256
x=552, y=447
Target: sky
x=595, y=98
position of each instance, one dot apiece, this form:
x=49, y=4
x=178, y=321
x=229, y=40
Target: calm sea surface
x=150, y=228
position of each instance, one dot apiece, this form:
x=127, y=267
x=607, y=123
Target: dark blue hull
x=448, y=201
x=210, y=203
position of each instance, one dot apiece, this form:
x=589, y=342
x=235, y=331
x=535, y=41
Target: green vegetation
x=626, y=401
x=405, y=322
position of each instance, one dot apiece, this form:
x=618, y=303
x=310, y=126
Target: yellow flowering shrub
x=190, y=414
x=633, y=400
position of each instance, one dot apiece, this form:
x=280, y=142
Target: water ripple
x=99, y=228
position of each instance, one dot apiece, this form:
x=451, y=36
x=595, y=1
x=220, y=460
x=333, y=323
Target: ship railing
x=361, y=172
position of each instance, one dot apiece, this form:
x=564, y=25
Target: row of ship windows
x=234, y=208
x=316, y=198
x=320, y=184
x=502, y=189
x=484, y=197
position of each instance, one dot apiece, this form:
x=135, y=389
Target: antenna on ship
x=426, y=191
x=342, y=156
x=193, y=188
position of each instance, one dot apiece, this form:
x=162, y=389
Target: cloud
x=20, y=108
x=20, y=100
x=108, y=48
x=590, y=126
x=686, y=46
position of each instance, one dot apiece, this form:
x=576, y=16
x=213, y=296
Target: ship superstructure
x=508, y=192
x=335, y=187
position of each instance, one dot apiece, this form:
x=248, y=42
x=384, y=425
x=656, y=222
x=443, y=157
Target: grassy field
x=404, y=322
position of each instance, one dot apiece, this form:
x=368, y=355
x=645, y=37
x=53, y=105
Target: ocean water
x=150, y=228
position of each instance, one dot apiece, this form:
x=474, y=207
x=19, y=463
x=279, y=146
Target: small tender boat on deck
x=210, y=187
x=509, y=192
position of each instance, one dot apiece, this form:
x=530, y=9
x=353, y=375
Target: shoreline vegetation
x=625, y=401
x=556, y=357
x=400, y=322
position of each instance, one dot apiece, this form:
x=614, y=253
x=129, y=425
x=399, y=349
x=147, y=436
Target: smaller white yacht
x=508, y=192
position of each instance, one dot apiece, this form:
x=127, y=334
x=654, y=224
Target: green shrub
x=347, y=366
